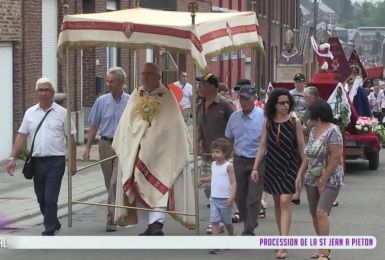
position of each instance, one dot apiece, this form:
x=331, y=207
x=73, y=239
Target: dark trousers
x=249, y=193
x=47, y=181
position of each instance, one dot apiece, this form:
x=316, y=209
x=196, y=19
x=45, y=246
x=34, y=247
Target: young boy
x=223, y=187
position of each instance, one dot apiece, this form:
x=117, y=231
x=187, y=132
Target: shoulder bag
x=29, y=166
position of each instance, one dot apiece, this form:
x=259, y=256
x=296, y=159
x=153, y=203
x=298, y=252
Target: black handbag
x=29, y=166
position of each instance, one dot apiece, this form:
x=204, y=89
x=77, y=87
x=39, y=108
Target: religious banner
x=356, y=67
x=339, y=64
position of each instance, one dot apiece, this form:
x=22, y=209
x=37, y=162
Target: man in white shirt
x=187, y=95
x=48, y=152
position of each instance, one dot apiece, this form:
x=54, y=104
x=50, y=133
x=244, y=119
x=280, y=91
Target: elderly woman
x=310, y=95
x=322, y=171
x=280, y=145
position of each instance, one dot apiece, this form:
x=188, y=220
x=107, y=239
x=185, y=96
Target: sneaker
x=221, y=227
x=262, y=213
x=58, y=226
x=263, y=204
x=215, y=251
x=236, y=218
x=110, y=228
x=209, y=229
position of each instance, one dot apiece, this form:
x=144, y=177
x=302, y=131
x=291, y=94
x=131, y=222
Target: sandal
x=262, y=213
x=236, y=218
x=323, y=257
x=281, y=255
x=315, y=255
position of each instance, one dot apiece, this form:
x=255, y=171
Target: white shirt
x=377, y=103
x=220, y=181
x=51, y=138
x=187, y=93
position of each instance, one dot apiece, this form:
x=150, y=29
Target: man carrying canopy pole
x=151, y=142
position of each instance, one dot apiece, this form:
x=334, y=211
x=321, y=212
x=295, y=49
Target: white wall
x=6, y=100
x=49, y=39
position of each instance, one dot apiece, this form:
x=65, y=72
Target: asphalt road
x=360, y=212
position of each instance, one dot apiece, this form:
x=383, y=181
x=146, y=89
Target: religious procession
x=211, y=109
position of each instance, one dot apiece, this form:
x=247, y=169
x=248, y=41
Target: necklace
x=295, y=52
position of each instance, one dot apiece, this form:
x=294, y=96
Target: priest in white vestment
x=151, y=142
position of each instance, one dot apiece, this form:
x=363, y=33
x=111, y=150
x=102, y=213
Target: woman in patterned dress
x=322, y=171
x=282, y=147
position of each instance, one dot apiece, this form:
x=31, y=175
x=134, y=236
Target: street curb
x=64, y=205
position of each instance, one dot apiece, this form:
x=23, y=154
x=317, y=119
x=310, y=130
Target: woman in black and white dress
x=282, y=148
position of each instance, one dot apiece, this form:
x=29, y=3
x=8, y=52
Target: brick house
x=28, y=36
x=275, y=17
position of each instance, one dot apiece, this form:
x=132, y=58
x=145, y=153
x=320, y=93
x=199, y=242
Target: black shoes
x=248, y=233
x=58, y=226
x=48, y=233
x=154, y=229
x=52, y=233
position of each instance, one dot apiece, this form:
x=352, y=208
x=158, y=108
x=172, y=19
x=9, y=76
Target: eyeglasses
x=282, y=103
x=44, y=90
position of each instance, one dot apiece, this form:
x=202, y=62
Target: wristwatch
x=11, y=158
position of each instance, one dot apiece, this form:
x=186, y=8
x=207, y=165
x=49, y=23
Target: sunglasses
x=282, y=103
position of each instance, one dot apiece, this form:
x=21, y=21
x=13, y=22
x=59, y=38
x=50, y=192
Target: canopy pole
x=254, y=58
x=69, y=143
x=193, y=8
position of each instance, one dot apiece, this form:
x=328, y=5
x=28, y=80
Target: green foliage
x=345, y=10
x=24, y=154
x=366, y=14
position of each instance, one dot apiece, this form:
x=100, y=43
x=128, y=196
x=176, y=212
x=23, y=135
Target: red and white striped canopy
x=213, y=34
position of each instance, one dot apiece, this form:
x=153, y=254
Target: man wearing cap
x=298, y=95
x=213, y=113
x=104, y=118
x=235, y=92
x=244, y=129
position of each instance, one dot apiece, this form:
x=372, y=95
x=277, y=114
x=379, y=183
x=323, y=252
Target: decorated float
x=340, y=81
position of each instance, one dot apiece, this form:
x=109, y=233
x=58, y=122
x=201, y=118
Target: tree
x=333, y=4
x=346, y=10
